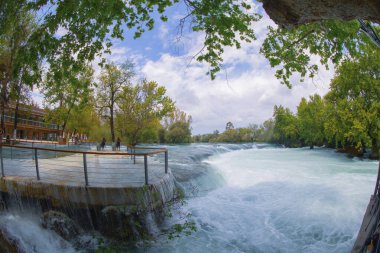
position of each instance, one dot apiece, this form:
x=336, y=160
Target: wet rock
x=3, y=206
x=123, y=223
x=61, y=224
x=115, y=222
x=7, y=245
x=290, y=13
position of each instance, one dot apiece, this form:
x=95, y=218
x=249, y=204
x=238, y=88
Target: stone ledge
x=61, y=195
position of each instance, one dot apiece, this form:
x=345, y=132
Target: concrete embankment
x=121, y=213
x=59, y=194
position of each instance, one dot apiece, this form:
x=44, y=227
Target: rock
x=115, y=222
x=61, y=224
x=291, y=13
x=8, y=245
x=123, y=223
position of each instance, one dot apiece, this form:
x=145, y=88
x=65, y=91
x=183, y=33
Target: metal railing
x=78, y=166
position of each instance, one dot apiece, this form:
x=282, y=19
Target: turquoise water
x=248, y=198
x=269, y=199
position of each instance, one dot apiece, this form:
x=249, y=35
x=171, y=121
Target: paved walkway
x=103, y=170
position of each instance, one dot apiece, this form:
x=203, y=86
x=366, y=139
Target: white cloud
x=61, y=31
x=38, y=98
x=247, y=95
x=244, y=92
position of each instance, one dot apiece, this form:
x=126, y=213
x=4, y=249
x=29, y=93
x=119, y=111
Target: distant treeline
x=257, y=133
x=347, y=118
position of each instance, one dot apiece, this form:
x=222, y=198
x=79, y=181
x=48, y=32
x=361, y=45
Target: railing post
x=146, y=168
x=85, y=168
x=1, y=162
x=166, y=162
x=36, y=161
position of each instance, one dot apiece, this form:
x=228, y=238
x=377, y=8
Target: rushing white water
x=244, y=199
x=278, y=200
x=29, y=236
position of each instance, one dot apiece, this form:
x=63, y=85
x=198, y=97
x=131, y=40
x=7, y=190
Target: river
x=252, y=198
x=270, y=199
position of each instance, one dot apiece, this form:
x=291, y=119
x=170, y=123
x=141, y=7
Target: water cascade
x=109, y=202
x=241, y=198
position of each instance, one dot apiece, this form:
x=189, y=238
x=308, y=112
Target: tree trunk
x=375, y=149
x=112, y=124
x=3, y=100
x=2, y=115
x=67, y=117
x=15, y=119
x=18, y=95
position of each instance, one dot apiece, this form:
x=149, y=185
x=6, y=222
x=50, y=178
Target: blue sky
x=244, y=92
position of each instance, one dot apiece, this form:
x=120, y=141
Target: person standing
x=118, y=143
x=103, y=143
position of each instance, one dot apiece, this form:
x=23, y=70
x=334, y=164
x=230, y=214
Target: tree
x=112, y=81
x=285, y=129
x=67, y=90
x=142, y=106
x=256, y=131
x=17, y=69
x=91, y=26
x=85, y=120
x=311, y=119
x=291, y=49
x=229, y=126
x=354, y=102
x=19, y=94
x=178, y=127
x=268, y=127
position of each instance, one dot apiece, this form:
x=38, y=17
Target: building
x=31, y=124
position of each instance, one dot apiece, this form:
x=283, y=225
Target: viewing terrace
x=81, y=174
x=82, y=164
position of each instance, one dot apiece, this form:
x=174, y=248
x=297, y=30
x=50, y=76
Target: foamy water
x=278, y=200
x=244, y=199
x=26, y=232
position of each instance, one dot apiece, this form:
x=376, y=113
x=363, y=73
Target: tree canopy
x=142, y=106
x=354, y=102
x=311, y=119
x=89, y=27
x=177, y=127
x=291, y=50
x=67, y=90
x=113, y=80
x=285, y=130
x=82, y=30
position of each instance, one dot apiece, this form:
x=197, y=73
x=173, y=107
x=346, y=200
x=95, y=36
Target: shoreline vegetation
x=347, y=118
